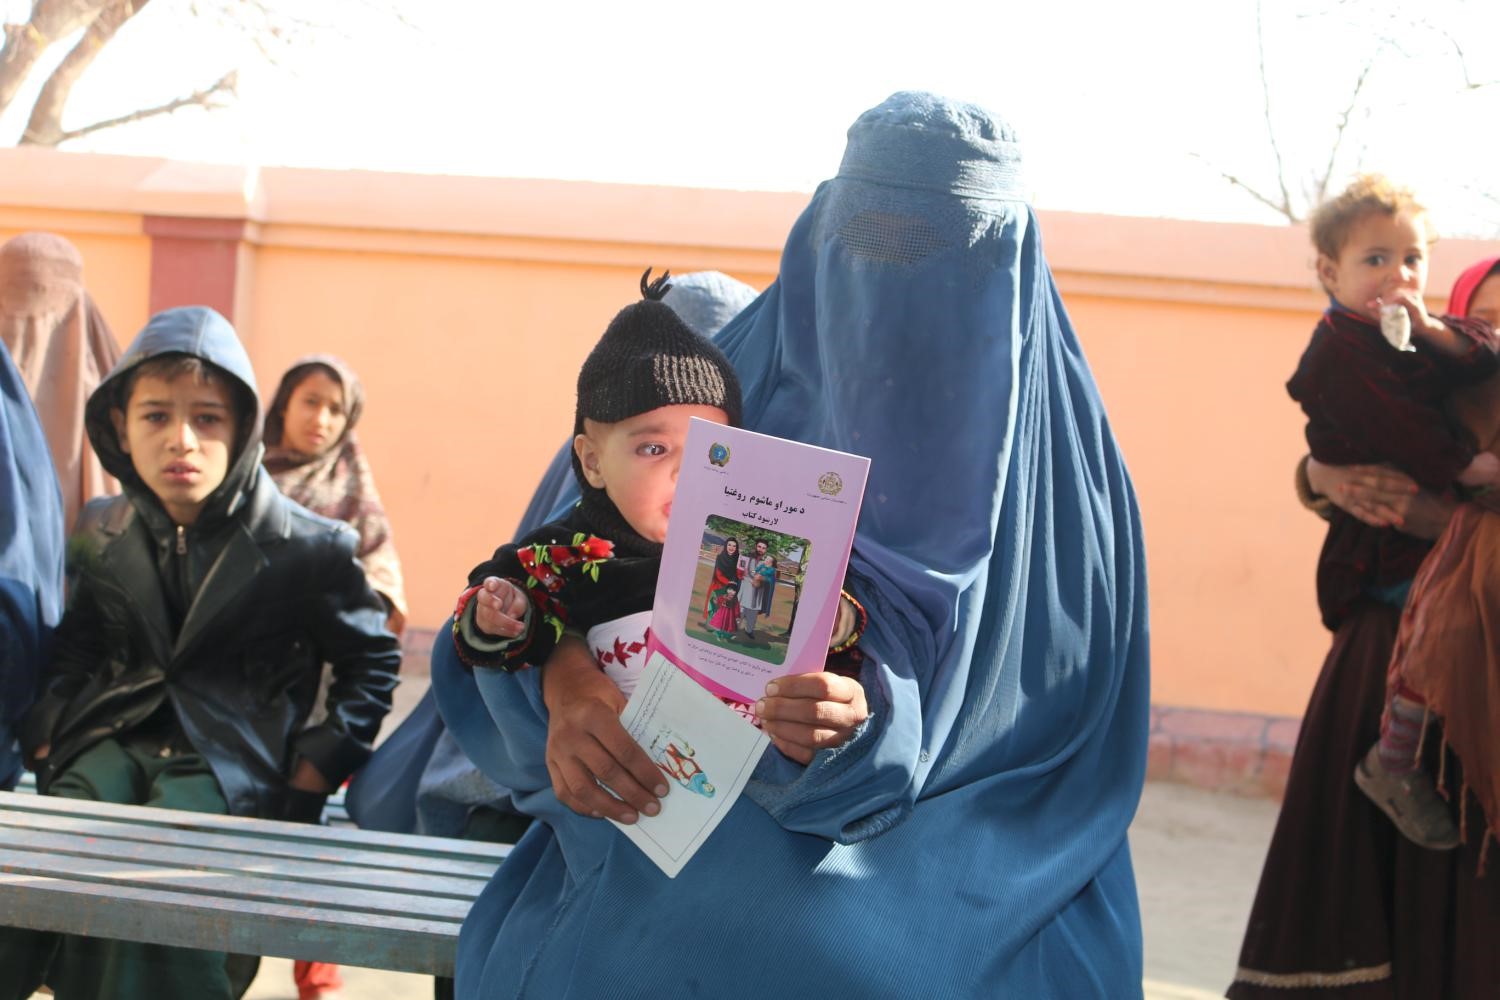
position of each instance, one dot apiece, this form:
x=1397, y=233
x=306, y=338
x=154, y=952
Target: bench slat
x=371, y=862
x=230, y=885
x=296, y=932
x=338, y=840
x=100, y=844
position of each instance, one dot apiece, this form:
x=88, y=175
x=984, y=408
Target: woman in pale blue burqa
x=31, y=558
x=970, y=839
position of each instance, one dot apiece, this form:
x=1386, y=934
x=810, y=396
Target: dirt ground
x=1197, y=857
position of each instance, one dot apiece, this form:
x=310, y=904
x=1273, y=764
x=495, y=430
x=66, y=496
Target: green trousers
x=131, y=772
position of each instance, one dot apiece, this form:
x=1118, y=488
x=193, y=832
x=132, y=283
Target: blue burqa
x=970, y=840
x=31, y=558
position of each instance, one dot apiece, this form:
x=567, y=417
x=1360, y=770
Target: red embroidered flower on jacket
x=597, y=549
x=539, y=568
x=544, y=563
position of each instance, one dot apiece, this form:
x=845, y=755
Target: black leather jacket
x=271, y=592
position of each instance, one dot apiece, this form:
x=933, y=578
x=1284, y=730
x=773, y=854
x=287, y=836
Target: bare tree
x=269, y=25
x=1389, y=33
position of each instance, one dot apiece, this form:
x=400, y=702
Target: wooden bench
x=228, y=883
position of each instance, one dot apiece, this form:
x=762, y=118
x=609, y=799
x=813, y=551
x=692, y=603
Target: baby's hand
x=805, y=713
x=1483, y=471
x=500, y=608
x=1422, y=324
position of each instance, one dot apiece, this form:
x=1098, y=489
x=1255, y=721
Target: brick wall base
x=1224, y=751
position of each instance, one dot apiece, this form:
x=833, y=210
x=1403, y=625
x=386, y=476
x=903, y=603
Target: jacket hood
x=202, y=333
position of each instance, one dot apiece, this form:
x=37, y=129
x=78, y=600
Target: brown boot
x=1410, y=800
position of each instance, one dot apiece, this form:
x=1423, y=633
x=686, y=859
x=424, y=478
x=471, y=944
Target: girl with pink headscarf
x=1445, y=650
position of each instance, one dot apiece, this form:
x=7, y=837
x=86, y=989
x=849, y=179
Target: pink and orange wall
x=451, y=294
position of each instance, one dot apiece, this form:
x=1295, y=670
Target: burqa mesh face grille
x=888, y=238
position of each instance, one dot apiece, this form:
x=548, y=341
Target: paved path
x=1197, y=861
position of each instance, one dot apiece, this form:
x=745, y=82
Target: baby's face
x=1383, y=253
x=636, y=461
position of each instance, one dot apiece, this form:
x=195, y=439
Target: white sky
x=1111, y=98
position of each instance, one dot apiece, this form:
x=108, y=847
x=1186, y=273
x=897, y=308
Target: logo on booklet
x=718, y=454
x=829, y=484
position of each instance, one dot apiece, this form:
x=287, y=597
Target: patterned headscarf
x=337, y=483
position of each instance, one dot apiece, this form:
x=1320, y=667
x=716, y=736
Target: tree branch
x=1342, y=127
x=200, y=98
x=1463, y=62
x=44, y=128
x=25, y=42
x=1285, y=208
x=1282, y=208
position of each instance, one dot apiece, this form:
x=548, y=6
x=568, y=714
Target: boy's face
x=1382, y=253
x=635, y=461
x=179, y=434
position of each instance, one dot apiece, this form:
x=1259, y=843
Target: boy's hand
x=805, y=713
x=500, y=608
x=587, y=745
x=307, y=778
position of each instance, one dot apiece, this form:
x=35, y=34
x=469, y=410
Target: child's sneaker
x=1410, y=800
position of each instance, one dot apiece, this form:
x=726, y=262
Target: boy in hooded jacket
x=202, y=605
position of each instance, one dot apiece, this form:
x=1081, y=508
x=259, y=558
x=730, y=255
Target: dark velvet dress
x=1347, y=908
x=1367, y=403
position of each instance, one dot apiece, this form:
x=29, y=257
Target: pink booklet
x=754, y=559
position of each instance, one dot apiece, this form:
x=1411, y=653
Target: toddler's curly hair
x=1334, y=217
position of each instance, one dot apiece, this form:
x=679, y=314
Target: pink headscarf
x=1468, y=283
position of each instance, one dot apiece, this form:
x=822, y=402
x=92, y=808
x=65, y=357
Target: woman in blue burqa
x=970, y=838
x=31, y=558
